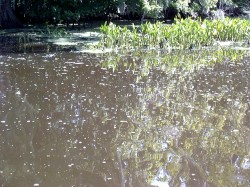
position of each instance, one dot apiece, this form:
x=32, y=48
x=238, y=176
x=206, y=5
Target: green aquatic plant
x=183, y=34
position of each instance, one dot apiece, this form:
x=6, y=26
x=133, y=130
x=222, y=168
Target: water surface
x=72, y=119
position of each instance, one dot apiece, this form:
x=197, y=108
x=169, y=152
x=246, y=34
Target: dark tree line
x=13, y=13
x=7, y=16
x=41, y=11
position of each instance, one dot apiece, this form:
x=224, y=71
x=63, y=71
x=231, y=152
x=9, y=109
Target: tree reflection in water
x=69, y=120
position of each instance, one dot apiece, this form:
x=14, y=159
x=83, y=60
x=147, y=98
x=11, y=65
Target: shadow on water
x=72, y=119
x=25, y=43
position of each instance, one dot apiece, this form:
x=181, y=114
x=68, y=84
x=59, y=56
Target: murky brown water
x=68, y=121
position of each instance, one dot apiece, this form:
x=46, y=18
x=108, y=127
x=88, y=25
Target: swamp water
x=137, y=120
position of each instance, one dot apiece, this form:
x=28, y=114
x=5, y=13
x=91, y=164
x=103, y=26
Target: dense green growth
x=74, y=10
x=182, y=34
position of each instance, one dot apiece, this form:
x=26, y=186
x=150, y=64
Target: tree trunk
x=143, y=16
x=7, y=16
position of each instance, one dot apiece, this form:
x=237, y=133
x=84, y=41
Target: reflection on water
x=67, y=120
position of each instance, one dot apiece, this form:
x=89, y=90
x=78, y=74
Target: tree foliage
x=35, y=11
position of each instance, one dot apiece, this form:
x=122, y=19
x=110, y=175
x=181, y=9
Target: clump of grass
x=183, y=34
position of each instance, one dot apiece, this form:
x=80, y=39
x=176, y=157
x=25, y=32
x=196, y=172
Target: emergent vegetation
x=183, y=34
